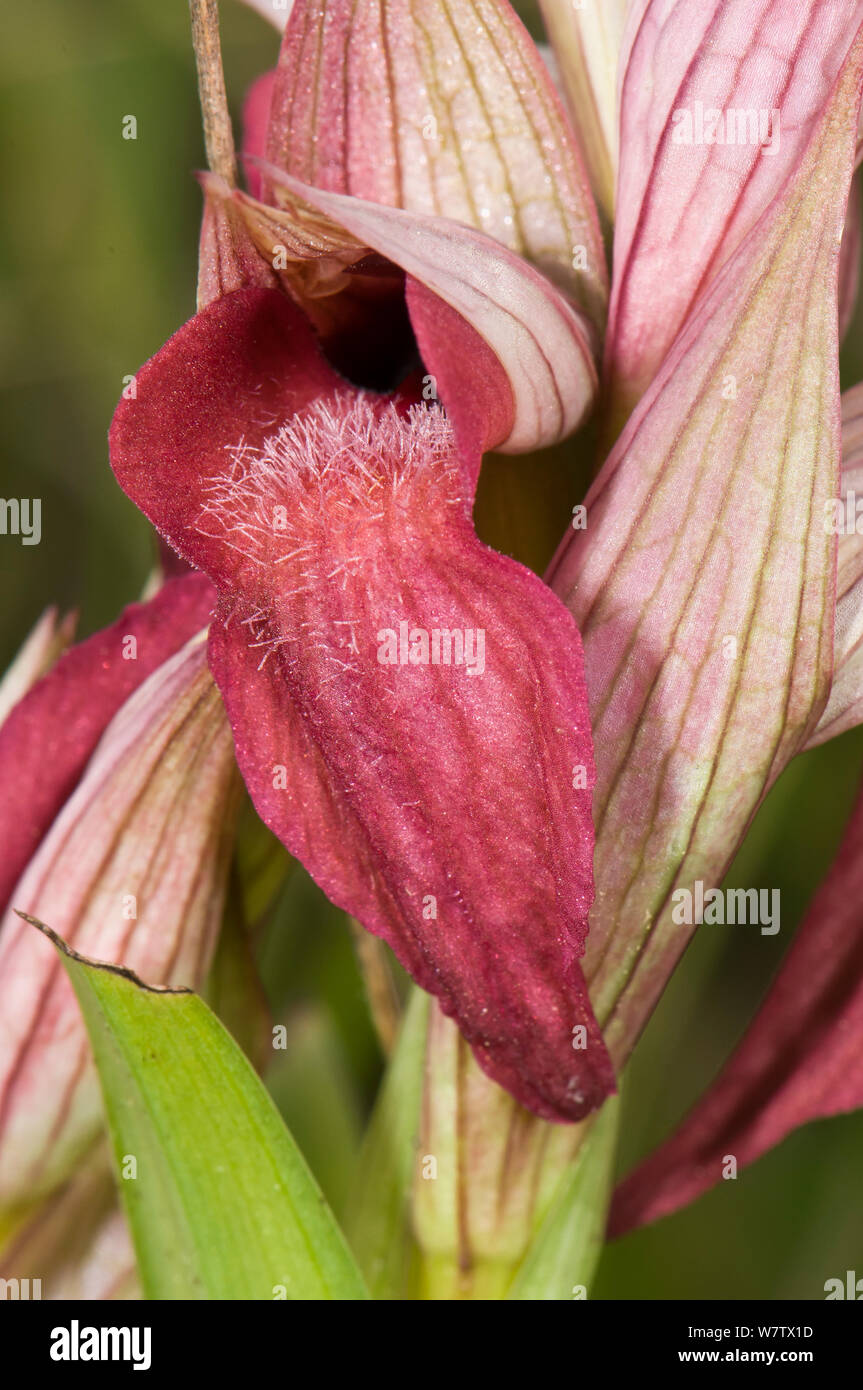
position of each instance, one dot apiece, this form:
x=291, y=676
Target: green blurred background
x=97, y=268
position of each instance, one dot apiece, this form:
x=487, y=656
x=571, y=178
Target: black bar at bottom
x=259, y=1339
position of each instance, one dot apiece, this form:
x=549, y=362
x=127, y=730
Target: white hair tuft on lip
x=340, y=463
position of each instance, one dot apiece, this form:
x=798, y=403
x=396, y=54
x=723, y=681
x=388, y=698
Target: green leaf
x=563, y=1256
x=222, y=1205
x=377, y=1221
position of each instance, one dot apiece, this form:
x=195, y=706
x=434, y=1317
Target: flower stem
x=218, y=135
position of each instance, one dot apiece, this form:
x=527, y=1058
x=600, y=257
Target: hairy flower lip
x=336, y=746
x=76, y=1243
x=655, y=611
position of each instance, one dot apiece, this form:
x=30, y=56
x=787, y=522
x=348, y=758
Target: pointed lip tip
x=72, y=954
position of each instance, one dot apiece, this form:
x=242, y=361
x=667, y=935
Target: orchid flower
x=512, y=781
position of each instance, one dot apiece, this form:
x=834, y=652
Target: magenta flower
x=123, y=760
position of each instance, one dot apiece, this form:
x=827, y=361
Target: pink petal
x=845, y=707
x=799, y=1061
x=448, y=810
x=684, y=209
x=543, y=346
x=256, y=120
x=43, y=646
x=50, y=734
x=704, y=583
x=498, y=1170
x=132, y=871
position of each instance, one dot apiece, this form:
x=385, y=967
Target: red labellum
x=408, y=707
